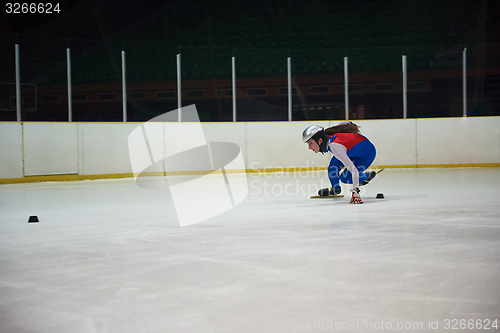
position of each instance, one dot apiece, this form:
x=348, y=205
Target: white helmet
x=310, y=131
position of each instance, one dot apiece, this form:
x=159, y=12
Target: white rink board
x=395, y=140
x=228, y=132
x=50, y=148
x=11, y=150
x=102, y=148
x=279, y=145
x=458, y=140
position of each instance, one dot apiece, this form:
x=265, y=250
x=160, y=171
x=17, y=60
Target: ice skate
x=372, y=175
x=328, y=193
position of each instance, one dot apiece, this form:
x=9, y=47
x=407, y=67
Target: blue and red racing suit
x=355, y=152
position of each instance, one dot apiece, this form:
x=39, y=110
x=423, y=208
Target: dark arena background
x=441, y=40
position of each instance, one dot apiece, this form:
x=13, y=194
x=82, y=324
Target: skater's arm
x=340, y=152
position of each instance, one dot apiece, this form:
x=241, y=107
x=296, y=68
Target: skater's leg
x=362, y=155
x=346, y=176
x=333, y=172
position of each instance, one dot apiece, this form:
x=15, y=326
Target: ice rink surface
x=108, y=256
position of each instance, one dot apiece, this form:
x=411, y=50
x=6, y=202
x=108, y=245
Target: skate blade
x=327, y=196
